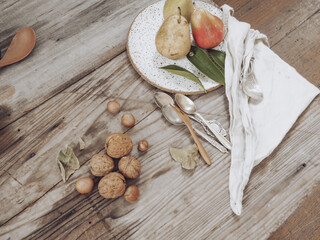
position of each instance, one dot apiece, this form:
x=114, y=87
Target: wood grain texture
x=174, y=203
x=73, y=39
x=77, y=112
x=65, y=42
x=304, y=222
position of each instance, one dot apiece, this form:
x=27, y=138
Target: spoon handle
x=202, y=151
x=211, y=141
x=225, y=142
x=213, y=123
x=3, y=63
x=184, y=117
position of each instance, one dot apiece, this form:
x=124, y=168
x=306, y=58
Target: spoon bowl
x=162, y=99
x=171, y=115
x=186, y=104
x=20, y=47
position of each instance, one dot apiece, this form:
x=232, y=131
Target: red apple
x=207, y=29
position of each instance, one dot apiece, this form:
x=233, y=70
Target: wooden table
x=59, y=93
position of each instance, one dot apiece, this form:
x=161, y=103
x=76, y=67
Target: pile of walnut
x=113, y=184
x=117, y=146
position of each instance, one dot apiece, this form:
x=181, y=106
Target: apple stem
x=179, y=15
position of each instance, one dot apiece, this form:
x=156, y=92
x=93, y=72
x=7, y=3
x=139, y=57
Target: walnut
x=111, y=136
x=101, y=165
x=130, y=167
x=112, y=185
x=118, y=145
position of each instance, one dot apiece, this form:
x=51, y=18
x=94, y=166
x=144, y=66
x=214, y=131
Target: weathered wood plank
x=70, y=208
x=110, y=216
x=19, y=174
x=304, y=45
x=64, y=28
x=17, y=139
x=275, y=18
x=64, y=41
x=17, y=156
x=78, y=112
x=275, y=187
x=73, y=39
x=304, y=222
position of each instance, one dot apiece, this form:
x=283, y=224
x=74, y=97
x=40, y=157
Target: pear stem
x=195, y=5
x=179, y=21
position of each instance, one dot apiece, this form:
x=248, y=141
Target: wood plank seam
x=57, y=221
x=100, y=150
x=12, y=178
x=296, y=27
x=62, y=89
x=58, y=89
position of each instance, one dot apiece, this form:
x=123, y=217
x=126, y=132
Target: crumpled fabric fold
x=265, y=95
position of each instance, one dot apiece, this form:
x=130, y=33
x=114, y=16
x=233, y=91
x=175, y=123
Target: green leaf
x=218, y=57
x=184, y=73
x=200, y=59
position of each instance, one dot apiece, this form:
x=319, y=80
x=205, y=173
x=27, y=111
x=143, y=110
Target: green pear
x=173, y=38
x=171, y=7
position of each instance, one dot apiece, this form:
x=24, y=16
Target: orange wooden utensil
x=20, y=47
x=185, y=118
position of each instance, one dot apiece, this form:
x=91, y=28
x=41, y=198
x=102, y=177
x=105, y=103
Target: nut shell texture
x=143, y=145
x=101, y=165
x=112, y=185
x=118, y=145
x=128, y=120
x=111, y=136
x=113, y=107
x=132, y=193
x=84, y=185
x=130, y=167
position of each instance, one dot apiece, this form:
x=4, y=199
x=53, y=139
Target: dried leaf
x=184, y=73
x=188, y=157
x=200, y=59
x=82, y=144
x=67, y=162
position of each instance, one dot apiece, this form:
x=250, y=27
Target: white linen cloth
x=266, y=96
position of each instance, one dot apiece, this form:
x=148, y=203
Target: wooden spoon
x=184, y=117
x=20, y=47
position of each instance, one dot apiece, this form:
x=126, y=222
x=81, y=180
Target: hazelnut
x=118, y=145
x=113, y=107
x=101, y=165
x=143, y=145
x=128, y=120
x=112, y=185
x=132, y=193
x=84, y=185
x=130, y=167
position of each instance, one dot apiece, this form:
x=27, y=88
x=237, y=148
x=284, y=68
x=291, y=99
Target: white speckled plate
x=146, y=60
